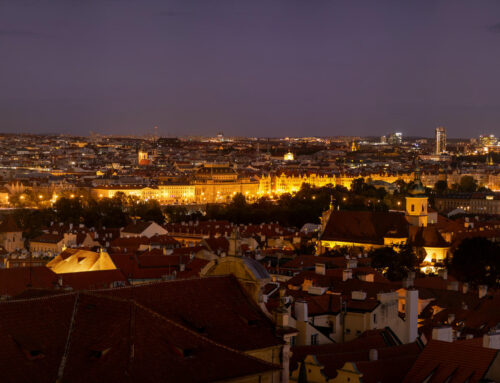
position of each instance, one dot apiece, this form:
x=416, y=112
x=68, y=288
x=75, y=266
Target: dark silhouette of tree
x=468, y=184
x=477, y=261
x=394, y=262
x=441, y=187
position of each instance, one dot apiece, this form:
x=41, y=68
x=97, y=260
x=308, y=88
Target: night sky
x=253, y=67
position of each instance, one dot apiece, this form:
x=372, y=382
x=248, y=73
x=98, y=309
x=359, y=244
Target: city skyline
x=250, y=69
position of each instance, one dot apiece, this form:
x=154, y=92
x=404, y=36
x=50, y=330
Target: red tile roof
x=215, y=306
x=48, y=238
x=110, y=340
x=137, y=228
x=15, y=281
x=364, y=226
x=9, y=225
x=457, y=362
x=373, y=339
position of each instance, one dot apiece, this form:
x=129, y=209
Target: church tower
x=416, y=202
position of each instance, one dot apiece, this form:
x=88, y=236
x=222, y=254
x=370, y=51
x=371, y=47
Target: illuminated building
x=395, y=138
x=440, y=140
x=471, y=203
x=354, y=148
x=288, y=156
x=163, y=193
x=76, y=261
x=220, y=183
x=416, y=203
x=142, y=158
x=370, y=230
x=11, y=237
x=488, y=140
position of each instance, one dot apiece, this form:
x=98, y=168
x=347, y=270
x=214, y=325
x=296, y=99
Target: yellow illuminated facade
x=220, y=185
x=76, y=261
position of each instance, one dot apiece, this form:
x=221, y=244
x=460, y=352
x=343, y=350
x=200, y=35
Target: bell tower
x=416, y=202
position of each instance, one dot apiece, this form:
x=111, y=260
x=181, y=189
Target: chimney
x=443, y=333
x=346, y=274
x=482, y=291
x=301, y=311
x=465, y=288
x=451, y=318
x=407, y=282
x=373, y=354
x=358, y=295
x=352, y=263
x=411, y=315
x=182, y=267
x=367, y=277
x=443, y=273
x=452, y=286
x=492, y=340
x=281, y=317
x=320, y=268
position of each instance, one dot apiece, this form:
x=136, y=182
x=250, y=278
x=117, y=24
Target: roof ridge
x=64, y=358
x=162, y=282
x=38, y=298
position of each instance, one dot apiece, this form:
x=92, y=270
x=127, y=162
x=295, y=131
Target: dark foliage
x=394, y=263
x=477, y=262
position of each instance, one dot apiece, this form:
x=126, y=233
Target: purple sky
x=250, y=67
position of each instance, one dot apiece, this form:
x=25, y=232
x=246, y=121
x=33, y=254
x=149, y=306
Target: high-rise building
x=395, y=138
x=440, y=140
x=488, y=140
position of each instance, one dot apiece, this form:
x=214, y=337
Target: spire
x=418, y=188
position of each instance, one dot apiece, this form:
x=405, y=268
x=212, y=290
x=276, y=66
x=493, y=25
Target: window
x=314, y=339
x=412, y=207
x=374, y=318
x=292, y=341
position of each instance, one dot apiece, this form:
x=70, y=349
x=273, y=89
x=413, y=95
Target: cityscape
x=263, y=229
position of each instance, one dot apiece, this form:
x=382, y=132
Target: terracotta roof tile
x=364, y=226
x=445, y=359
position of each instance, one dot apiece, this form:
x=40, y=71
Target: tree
x=358, y=185
x=468, y=184
x=441, y=187
x=150, y=211
x=69, y=210
x=394, y=263
x=477, y=261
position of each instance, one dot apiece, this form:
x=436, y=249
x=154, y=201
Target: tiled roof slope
x=105, y=339
x=216, y=307
x=364, y=226
x=458, y=362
